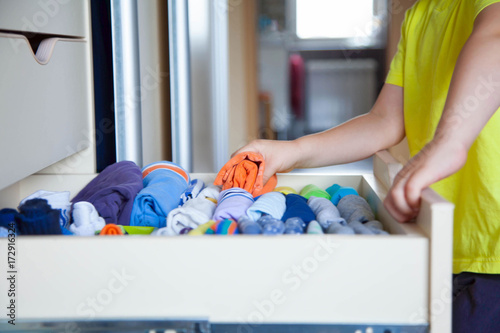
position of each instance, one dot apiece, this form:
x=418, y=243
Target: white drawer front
x=60, y=17
x=45, y=110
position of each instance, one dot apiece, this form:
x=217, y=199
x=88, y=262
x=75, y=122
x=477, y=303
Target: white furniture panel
x=59, y=17
x=44, y=108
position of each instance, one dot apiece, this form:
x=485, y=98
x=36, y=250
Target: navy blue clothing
x=476, y=303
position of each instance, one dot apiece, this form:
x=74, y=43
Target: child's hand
x=280, y=156
x=437, y=160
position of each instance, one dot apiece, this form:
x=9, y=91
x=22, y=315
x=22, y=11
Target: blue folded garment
x=164, y=182
x=271, y=203
x=296, y=206
x=6, y=217
x=36, y=217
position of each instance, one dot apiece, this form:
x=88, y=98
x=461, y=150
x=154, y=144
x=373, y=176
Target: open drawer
x=308, y=283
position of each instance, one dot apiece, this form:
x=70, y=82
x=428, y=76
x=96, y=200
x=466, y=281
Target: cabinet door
x=46, y=108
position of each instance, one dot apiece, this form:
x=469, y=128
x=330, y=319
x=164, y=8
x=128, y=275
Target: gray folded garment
x=355, y=208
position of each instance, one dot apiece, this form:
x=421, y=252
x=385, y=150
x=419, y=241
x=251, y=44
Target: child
x=442, y=92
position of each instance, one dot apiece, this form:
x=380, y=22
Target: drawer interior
x=307, y=279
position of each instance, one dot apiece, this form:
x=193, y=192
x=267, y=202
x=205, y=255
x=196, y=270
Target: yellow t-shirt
x=433, y=34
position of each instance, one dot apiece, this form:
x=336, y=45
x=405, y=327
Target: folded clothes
x=325, y=211
x=36, y=217
x=314, y=228
x=313, y=190
x=6, y=217
x=285, y=190
x=246, y=170
x=194, y=188
x=86, y=220
x=112, y=229
x=376, y=227
x=202, y=229
x=337, y=228
x=210, y=192
x=192, y=214
x=296, y=206
x=271, y=226
x=355, y=208
x=337, y=192
x=4, y=232
x=113, y=191
x=360, y=228
x=271, y=203
x=232, y=204
x=294, y=225
x=248, y=226
x=224, y=227
x=164, y=182
x=56, y=200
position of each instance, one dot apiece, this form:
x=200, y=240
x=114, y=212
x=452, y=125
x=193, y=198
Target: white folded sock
x=211, y=191
x=192, y=214
x=86, y=219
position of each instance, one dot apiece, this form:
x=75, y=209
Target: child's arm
x=354, y=140
x=476, y=77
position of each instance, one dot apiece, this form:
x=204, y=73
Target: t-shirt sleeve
x=396, y=71
x=479, y=5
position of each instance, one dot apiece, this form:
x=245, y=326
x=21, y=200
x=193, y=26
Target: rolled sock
x=355, y=208
x=332, y=189
x=210, y=192
x=36, y=217
x=374, y=224
x=164, y=182
x=294, y=225
x=314, y=228
x=376, y=227
x=160, y=232
x=337, y=192
x=194, y=188
x=246, y=170
x=7, y=216
x=271, y=226
x=360, y=228
x=337, y=228
x=224, y=227
x=285, y=190
x=325, y=211
x=56, y=200
x=192, y=214
x=4, y=232
x=202, y=229
x=86, y=220
x=232, y=204
x=112, y=230
x=313, y=190
x=271, y=203
x=296, y=206
x=248, y=226
x=113, y=192
x=185, y=231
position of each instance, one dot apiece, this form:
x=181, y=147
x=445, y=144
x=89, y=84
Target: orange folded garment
x=246, y=171
x=111, y=229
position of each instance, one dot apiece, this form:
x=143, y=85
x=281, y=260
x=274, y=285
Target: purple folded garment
x=113, y=192
x=233, y=203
